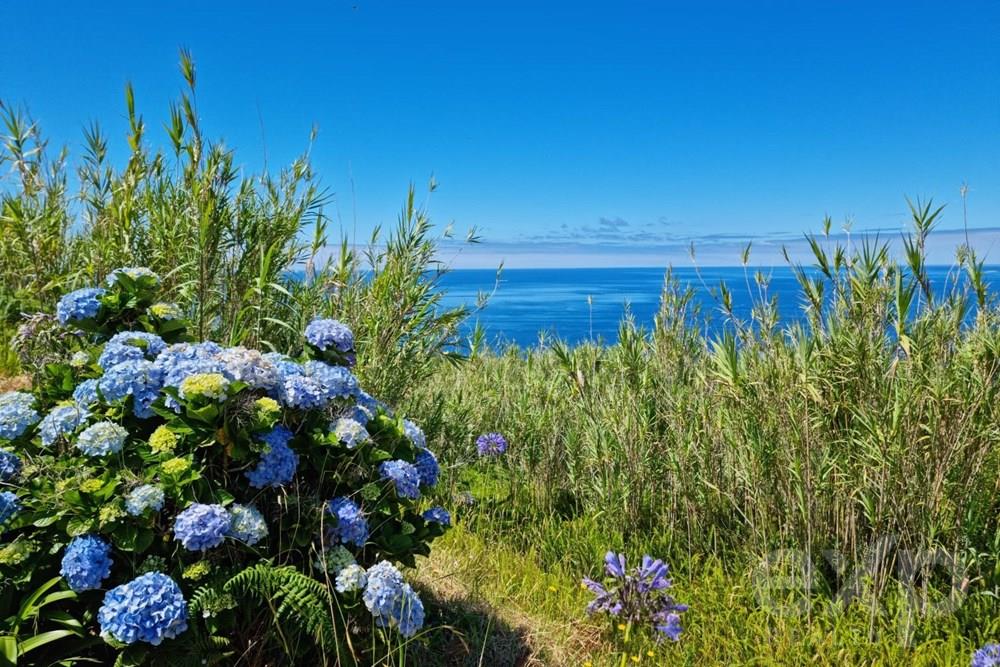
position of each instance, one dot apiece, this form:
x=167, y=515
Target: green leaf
x=44, y=638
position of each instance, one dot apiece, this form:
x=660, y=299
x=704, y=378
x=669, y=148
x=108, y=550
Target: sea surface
x=578, y=305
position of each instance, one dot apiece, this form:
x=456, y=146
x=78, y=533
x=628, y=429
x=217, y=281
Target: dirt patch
x=15, y=383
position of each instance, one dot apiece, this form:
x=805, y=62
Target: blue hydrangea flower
x=86, y=563
x=336, y=381
x=404, y=477
x=302, y=393
x=10, y=465
x=17, y=413
x=415, y=434
x=438, y=515
x=366, y=408
x=351, y=578
x=351, y=526
x=61, y=421
x=250, y=367
x=491, y=444
x=137, y=378
x=79, y=305
x=85, y=394
x=9, y=506
x=391, y=601
x=130, y=346
x=427, y=467
x=987, y=656
x=201, y=527
x=286, y=367
x=177, y=362
x=101, y=439
x=148, y=609
x=278, y=464
x=350, y=432
x=133, y=272
x=324, y=334
x=247, y=524
x=143, y=498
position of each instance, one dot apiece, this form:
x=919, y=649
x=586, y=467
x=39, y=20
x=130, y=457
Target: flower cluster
x=277, y=465
x=987, y=656
x=391, y=601
x=79, y=305
x=9, y=506
x=10, y=465
x=101, y=439
x=201, y=526
x=133, y=272
x=350, y=432
x=351, y=578
x=427, y=467
x=148, y=609
x=639, y=596
x=17, y=413
x=86, y=563
x=438, y=515
x=212, y=386
x=130, y=346
x=404, y=477
x=246, y=524
x=350, y=527
x=61, y=421
x=144, y=498
x=491, y=444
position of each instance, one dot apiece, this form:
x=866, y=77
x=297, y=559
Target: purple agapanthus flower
x=491, y=444
x=639, y=596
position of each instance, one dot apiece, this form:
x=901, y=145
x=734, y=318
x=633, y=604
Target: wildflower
x=17, y=413
x=350, y=432
x=351, y=578
x=175, y=466
x=277, y=465
x=137, y=378
x=162, y=440
x=130, y=346
x=148, y=609
x=335, y=559
x=9, y=506
x=79, y=304
x=404, y=476
x=86, y=563
x=143, y=498
x=201, y=526
x=438, y=515
x=246, y=524
x=415, y=434
x=165, y=311
x=391, y=601
x=491, y=444
x=987, y=656
x=351, y=526
x=61, y=421
x=10, y=465
x=212, y=386
x=326, y=334
x=101, y=439
x=427, y=467
x=133, y=272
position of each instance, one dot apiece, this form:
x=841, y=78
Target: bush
x=167, y=481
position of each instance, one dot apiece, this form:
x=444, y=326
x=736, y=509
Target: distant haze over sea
x=578, y=305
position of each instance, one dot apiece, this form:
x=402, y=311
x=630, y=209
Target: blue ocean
x=578, y=305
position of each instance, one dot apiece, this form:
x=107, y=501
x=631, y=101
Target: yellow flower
x=109, y=513
x=92, y=485
x=205, y=385
x=650, y=653
x=552, y=589
x=165, y=311
x=175, y=466
x=621, y=626
x=267, y=406
x=162, y=440
x=636, y=658
x=197, y=571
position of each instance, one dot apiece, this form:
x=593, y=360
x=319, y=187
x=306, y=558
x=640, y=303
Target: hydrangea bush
x=153, y=468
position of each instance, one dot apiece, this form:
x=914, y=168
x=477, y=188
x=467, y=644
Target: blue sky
x=582, y=133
